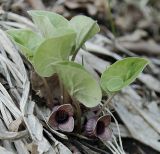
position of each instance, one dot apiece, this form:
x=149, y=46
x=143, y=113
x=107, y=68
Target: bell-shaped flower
x=61, y=118
x=99, y=127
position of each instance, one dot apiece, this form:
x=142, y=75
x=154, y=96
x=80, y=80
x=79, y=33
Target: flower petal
x=55, y=108
x=106, y=135
x=67, y=108
x=90, y=126
x=68, y=126
x=52, y=121
x=106, y=119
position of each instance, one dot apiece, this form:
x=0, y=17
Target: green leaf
x=122, y=73
x=48, y=23
x=85, y=28
x=53, y=51
x=27, y=40
x=79, y=83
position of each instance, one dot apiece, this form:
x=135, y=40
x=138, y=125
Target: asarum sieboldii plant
x=52, y=49
x=61, y=118
x=99, y=127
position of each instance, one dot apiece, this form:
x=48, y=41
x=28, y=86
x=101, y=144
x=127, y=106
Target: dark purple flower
x=61, y=118
x=99, y=127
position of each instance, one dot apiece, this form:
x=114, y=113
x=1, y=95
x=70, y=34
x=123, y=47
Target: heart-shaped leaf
x=27, y=40
x=85, y=28
x=79, y=83
x=122, y=73
x=48, y=22
x=52, y=51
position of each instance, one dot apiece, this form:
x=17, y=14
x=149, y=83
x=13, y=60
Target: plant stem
x=116, y=144
x=65, y=97
x=114, y=148
x=111, y=18
x=78, y=110
x=106, y=103
x=61, y=91
x=49, y=100
x=74, y=55
x=116, y=122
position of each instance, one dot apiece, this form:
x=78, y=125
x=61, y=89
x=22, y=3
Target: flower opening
x=61, y=118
